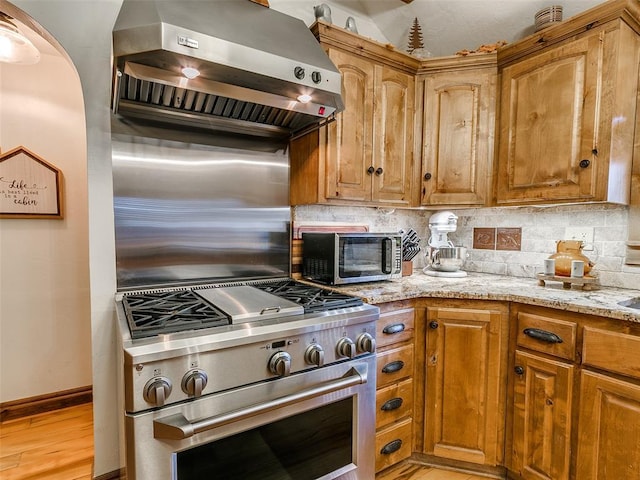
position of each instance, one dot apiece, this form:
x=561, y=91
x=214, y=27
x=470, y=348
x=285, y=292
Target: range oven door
x=318, y=424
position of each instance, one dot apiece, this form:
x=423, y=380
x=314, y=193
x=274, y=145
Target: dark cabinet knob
x=433, y=325
x=585, y=163
x=379, y=171
x=519, y=370
x=427, y=176
x=370, y=170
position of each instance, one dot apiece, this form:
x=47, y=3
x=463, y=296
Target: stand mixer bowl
x=446, y=259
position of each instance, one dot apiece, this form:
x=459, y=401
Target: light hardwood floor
x=59, y=446
x=55, y=445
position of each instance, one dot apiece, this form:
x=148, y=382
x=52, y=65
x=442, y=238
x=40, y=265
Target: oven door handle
x=177, y=427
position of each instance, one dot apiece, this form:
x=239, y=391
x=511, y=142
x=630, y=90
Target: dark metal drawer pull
x=542, y=335
x=391, y=447
x=395, y=328
x=392, y=404
x=393, y=367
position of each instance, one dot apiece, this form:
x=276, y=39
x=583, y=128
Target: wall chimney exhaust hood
x=230, y=65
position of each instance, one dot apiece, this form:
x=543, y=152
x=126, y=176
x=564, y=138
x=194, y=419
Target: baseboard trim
x=115, y=475
x=45, y=403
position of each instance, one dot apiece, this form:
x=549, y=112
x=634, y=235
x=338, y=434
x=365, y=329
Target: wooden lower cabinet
x=465, y=381
x=541, y=417
x=609, y=429
x=394, y=380
x=489, y=386
x=574, y=397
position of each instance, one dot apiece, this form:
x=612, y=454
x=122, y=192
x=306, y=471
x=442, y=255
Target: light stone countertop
x=482, y=286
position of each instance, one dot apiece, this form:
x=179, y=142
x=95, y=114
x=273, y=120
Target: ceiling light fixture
x=15, y=47
x=304, y=98
x=190, y=72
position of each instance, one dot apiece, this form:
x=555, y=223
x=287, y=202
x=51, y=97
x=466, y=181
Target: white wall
x=45, y=321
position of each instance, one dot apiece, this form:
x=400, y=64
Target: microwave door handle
x=387, y=255
x=177, y=427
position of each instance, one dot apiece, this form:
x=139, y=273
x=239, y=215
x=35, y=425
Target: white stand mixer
x=443, y=258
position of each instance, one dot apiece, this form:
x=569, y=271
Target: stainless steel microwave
x=339, y=258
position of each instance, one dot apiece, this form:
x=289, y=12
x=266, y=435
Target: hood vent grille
x=168, y=103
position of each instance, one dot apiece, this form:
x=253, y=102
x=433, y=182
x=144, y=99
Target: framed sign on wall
x=30, y=187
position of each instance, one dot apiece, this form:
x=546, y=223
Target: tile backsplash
x=539, y=228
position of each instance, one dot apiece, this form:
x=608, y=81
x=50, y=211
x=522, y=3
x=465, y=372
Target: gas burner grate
x=313, y=299
x=155, y=313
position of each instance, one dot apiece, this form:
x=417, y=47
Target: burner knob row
x=157, y=390
x=365, y=343
x=280, y=362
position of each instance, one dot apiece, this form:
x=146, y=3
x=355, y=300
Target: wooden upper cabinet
x=348, y=141
x=393, y=126
x=459, y=97
x=567, y=116
x=366, y=156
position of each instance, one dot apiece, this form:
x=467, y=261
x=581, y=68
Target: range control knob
x=314, y=355
x=316, y=77
x=194, y=382
x=366, y=343
x=346, y=348
x=157, y=390
x=280, y=364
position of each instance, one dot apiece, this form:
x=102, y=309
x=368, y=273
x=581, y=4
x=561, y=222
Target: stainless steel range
x=260, y=380
x=231, y=370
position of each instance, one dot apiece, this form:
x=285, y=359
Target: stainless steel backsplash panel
x=193, y=212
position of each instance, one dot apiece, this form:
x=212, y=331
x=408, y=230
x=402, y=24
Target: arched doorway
x=45, y=315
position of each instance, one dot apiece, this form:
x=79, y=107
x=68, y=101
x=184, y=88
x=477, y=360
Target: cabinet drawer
x=393, y=444
x=394, y=402
x=547, y=334
x=612, y=351
x=394, y=365
x=394, y=327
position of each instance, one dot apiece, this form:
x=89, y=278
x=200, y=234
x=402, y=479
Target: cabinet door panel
x=463, y=383
x=393, y=141
x=541, y=418
x=349, y=138
x=549, y=108
x=458, y=137
x=608, y=429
